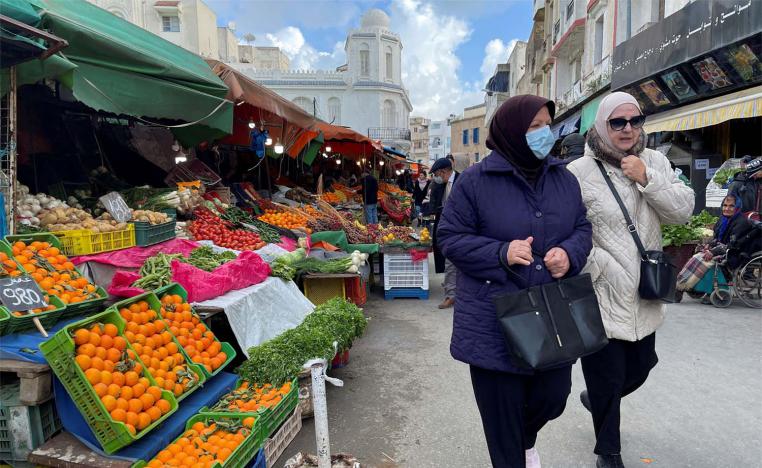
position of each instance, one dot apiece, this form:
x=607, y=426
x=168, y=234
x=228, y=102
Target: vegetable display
x=279, y=360
x=157, y=270
x=722, y=176
x=208, y=226
x=285, y=220
x=117, y=378
x=290, y=265
x=698, y=228
x=266, y=232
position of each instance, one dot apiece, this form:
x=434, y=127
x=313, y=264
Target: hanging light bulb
x=380, y=163
x=325, y=155
x=358, y=163
x=252, y=124
x=269, y=141
x=363, y=160
x=278, y=148
x=398, y=172
x=338, y=162
x=327, y=149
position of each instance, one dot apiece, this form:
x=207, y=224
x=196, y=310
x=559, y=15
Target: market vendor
x=369, y=186
x=420, y=191
x=444, y=177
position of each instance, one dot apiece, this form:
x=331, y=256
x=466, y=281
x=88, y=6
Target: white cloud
x=495, y=52
x=303, y=56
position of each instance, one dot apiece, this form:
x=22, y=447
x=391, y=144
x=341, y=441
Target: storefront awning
x=568, y=125
x=347, y=142
x=588, y=113
x=738, y=105
x=115, y=66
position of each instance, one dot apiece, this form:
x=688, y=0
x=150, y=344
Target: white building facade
x=439, y=139
x=366, y=94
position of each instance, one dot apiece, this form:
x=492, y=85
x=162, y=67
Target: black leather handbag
x=552, y=324
x=658, y=275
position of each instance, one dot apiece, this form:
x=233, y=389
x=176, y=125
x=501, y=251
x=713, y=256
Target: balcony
x=539, y=10
x=389, y=133
x=571, y=96
x=599, y=77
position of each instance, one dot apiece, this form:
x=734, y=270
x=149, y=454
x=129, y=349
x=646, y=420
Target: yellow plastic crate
x=320, y=290
x=85, y=242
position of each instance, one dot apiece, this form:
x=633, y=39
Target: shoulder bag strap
x=630, y=224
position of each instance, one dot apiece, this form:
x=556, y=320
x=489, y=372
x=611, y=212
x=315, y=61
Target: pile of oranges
x=332, y=198
x=117, y=378
x=193, y=335
x=285, y=220
x=155, y=346
x=52, y=271
x=250, y=398
x=205, y=444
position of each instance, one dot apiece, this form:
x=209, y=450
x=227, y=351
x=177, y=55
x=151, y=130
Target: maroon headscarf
x=508, y=129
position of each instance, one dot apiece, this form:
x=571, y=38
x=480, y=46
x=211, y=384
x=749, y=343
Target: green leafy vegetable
x=722, y=176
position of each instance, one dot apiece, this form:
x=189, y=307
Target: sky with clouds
x=451, y=47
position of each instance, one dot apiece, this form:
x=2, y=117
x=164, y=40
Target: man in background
x=369, y=186
x=443, y=177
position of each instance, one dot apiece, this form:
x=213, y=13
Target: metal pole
x=321, y=415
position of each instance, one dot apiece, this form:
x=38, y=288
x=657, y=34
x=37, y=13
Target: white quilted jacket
x=614, y=262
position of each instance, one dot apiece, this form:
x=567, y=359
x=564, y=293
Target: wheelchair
x=743, y=282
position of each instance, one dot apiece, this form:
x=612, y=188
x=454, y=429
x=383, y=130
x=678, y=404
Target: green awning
x=312, y=149
x=588, y=114
x=121, y=68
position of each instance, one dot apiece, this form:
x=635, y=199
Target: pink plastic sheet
x=134, y=257
x=247, y=270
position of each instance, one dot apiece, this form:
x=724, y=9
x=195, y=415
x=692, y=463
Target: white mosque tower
x=366, y=94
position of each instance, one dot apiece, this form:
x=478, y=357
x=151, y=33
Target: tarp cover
x=115, y=66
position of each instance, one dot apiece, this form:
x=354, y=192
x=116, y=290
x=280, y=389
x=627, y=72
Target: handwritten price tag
x=116, y=206
x=21, y=293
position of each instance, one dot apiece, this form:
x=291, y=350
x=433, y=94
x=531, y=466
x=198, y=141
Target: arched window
x=364, y=60
x=389, y=63
x=389, y=116
x=334, y=111
x=305, y=104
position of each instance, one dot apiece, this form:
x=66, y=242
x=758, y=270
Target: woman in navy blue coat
x=513, y=221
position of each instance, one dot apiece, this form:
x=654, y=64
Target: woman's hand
x=557, y=262
x=635, y=169
x=520, y=252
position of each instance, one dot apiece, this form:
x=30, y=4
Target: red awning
x=347, y=142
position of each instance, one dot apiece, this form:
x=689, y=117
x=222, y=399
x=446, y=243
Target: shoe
x=585, y=399
x=447, y=303
x=609, y=461
x=532, y=458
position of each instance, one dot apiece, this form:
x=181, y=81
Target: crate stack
x=404, y=277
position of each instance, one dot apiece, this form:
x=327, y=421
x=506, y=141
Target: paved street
x=407, y=403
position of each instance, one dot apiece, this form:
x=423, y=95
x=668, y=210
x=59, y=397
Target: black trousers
x=611, y=374
x=515, y=407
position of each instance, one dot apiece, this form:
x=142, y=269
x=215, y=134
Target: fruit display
x=53, y=272
x=425, y=236
x=251, y=398
x=155, y=346
x=192, y=333
x=208, y=226
x=10, y=268
x=118, y=379
x=285, y=220
x=206, y=443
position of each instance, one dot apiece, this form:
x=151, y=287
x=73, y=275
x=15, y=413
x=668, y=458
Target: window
x=576, y=67
x=305, y=104
x=389, y=116
x=170, y=23
x=476, y=157
x=465, y=137
x=389, y=64
x=570, y=10
x=476, y=136
x=556, y=30
x=334, y=111
x=435, y=126
x=598, y=51
x=364, y=60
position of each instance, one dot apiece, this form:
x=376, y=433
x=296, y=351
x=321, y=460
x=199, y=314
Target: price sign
x=21, y=293
x=710, y=172
x=701, y=164
x=116, y=206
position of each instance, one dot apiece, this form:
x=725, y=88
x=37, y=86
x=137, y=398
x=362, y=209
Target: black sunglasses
x=619, y=123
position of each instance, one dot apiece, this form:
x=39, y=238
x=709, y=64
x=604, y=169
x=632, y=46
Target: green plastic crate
x=72, y=310
x=148, y=234
x=273, y=418
x=155, y=305
x=4, y=316
x=59, y=352
x=26, y=322
x=242, y=455
x=227, y=348
x=24, y=428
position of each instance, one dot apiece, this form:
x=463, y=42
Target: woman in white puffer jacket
x=653, y=196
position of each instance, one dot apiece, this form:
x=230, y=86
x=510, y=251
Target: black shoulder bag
x=552, y=324
x=658, y=276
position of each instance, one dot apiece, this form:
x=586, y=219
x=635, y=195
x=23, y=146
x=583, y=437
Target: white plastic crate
x=401, y=272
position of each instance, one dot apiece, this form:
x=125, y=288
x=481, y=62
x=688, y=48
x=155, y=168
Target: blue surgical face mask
x=541, y=141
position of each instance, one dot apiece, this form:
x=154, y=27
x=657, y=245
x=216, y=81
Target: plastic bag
x=248, y=269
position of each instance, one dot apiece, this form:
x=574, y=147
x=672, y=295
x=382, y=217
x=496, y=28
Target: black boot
x=609, y=461
x=585, y=399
